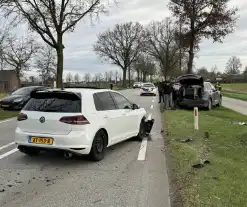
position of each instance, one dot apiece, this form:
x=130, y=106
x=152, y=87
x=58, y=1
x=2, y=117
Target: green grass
x=236, y=95
x=6, y=114
x=223, y=182
x=235, y=90
x=240, y=87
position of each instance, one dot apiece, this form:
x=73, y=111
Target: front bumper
x=12, y=106
x=200, y=103
x=77, y=142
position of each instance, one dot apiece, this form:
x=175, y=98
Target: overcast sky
x=79, y=56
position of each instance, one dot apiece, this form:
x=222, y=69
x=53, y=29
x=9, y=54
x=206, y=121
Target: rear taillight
x=75, y=120
x=21, y=117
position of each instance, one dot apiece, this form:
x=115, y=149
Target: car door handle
x=106, y=116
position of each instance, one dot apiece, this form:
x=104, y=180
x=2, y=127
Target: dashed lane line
x=6, y=120
x=152, y=106
x=8, y=153
x=143, y=149
x=7, y=145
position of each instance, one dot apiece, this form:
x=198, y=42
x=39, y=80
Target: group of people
x=167, y=94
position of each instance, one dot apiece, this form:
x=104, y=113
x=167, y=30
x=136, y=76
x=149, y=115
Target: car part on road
x=97, y=152
x=149, y=125
x=142, y=130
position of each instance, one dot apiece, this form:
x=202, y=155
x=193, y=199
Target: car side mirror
x=134, y=106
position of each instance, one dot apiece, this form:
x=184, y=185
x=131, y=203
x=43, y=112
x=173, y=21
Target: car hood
x=12, y=98
x=190, y=79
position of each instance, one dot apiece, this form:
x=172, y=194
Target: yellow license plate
x=39, y=140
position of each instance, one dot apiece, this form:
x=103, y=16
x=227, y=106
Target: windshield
x=23, y=91
x=148, y=85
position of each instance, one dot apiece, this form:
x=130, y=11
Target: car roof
x=82, y=90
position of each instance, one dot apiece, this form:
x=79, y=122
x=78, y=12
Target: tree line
x=165, y=47
x=233, y=68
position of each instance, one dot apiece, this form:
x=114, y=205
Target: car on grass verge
x=77, y=121
x=194, y=92
x=148, y=89
x=18, y=99
x=137, y=85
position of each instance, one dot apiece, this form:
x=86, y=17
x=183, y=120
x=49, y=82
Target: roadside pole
x=196, y=126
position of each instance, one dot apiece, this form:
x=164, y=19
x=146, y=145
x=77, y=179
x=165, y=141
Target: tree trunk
x=191, y=56
x=59, y=49
x=124, y=77
x=18, y=78
x=129, y=76
x=138, y=75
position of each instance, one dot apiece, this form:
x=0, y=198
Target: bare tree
x=233, y=66
x=87, y=77
x=69, y=78
x=51, y=19
x=110, y=73
x=162, y=45
x=145, y=66
x=106, y=76
x=77, y=78
x=116, y=76
x=203, y=71
x=121, y=45
x=46, y=63
x=203, y=19
x=18, y=54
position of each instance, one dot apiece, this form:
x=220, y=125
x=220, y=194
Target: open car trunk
x=191, y=86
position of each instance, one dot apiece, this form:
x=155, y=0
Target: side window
x=103, y=101
x=121, y=101
x=207, y=87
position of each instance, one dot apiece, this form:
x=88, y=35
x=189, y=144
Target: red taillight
x=76, y=120
x=21, y=117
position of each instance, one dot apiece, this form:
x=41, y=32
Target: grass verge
x=235, y=94
x=7, y=114
x=241, y=87
x=2, y=95
x=221, y=183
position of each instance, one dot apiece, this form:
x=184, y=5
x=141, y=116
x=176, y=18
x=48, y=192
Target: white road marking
x=8, y=153
x=7, y=145
x=152, y=106
x=153, y=100
x=150, y=116
x=6, y=120
x=143, y=149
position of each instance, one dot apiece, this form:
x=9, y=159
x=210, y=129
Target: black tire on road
x=142, y=130
x=97, y=152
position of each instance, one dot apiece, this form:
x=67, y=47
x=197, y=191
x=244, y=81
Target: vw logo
x=42, y=119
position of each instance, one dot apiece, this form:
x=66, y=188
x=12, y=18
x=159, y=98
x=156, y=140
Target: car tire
x=31, y=151
x=142, y=130
x=209, y=104
x=219, y=104
x=97, y=152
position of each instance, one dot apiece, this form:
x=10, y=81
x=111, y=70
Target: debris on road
x=2, y=190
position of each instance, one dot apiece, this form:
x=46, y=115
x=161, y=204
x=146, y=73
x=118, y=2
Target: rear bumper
x=148, y=92
x=194, y=103
x=77, y=142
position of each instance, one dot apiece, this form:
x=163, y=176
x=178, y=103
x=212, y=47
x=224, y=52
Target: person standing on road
x=161, y=91
x=218, y=86
x=111, y=86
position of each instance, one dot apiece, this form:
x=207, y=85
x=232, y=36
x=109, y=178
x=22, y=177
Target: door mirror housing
x=135, y=106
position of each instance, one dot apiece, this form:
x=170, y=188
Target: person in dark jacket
x=161, y=91
x=111, y=86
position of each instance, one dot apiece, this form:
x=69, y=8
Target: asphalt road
x=234, y=104
x=132, y=173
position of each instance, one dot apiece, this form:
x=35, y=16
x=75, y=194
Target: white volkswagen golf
x=77, y=121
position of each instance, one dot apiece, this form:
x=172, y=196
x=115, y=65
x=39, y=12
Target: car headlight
x=18, y=100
